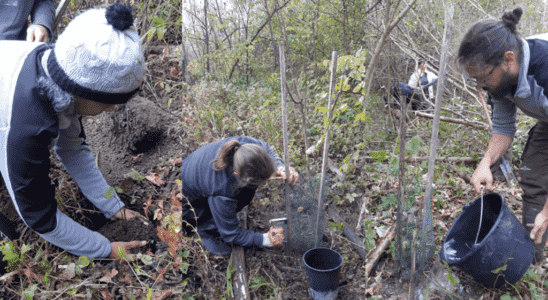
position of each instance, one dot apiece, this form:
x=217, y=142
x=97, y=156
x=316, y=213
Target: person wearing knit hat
x=45, y=89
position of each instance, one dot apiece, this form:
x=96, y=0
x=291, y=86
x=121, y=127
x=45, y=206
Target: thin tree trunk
x=378, y=49
x=223, y=27
x=427, y=226
x=272, y=39
x=206, y=36
x=286, y=136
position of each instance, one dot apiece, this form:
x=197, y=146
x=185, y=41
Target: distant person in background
x=219, y=180
x=14, y=16
x=419, y=79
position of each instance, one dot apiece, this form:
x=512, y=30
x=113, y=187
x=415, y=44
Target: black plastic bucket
x=503, y=251
x=322, y=269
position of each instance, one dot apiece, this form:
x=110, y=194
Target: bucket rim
x=323, y=271
x=479, y=245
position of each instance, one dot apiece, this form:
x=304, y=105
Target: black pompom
x=119, y=16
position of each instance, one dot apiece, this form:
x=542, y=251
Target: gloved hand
x=37, y=33
x=274, y=237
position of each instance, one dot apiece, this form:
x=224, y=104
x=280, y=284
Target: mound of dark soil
x=132, y=230
x=137, y=135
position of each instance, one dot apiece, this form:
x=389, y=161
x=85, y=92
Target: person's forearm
x=498, y=144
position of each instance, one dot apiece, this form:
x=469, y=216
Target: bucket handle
x=481, y=217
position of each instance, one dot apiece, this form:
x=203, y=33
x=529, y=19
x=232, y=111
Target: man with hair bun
x=514, y=72
x=220, y=179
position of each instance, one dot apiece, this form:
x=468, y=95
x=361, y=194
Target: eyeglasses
x=482, y=81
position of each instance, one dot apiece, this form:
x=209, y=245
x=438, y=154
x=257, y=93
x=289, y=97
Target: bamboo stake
x=426, y=225
x=326, y=143
x=286, y=137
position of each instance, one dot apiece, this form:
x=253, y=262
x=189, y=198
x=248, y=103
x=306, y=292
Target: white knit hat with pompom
x=98, y=57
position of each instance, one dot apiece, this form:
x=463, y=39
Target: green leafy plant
x=110, y=192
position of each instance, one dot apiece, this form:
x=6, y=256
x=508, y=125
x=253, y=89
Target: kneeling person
x=219, y=180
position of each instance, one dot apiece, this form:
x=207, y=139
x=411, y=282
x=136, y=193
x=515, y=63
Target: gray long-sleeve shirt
x=28, y=125
x=14, y=15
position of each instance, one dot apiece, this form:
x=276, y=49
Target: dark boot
x=530, y=212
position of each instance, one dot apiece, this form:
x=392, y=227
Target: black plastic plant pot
x=322, y=269
x=503, y=251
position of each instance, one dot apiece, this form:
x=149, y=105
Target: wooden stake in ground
x=354, y=239
x=379, y=251
x=286, y=137
x=239, y=278
x=326, y=143
x=426, y=216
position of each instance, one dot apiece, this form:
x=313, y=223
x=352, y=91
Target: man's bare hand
x=482, y=174
x=541, y=222
x=128, y=214
x=293, y=175
x=122, y=247
x=37, y=33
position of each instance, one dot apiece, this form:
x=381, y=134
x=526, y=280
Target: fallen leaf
x=161, y=205
x=161, y=295
x=162, y=272
x=105, y=294
x=69, y=272
x=147, y=205
x=8, y=277
x=126, y=279
x=374, y=290
x=164, y=172
x=158, y=215
x=170, y=237
x=30, y=274
x=109, y=275
x=155, y=178
x=173, y=72
x=175, y=203
x=382, y=231
x=165, y=53
x=133, y=158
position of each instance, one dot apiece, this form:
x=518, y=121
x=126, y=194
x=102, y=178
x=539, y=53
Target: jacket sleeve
x=247, y=139
x=413, y=80
x=431, y=78
x=78, y=159
x=504, y=117
x=224, y=212
x=34, y=195
x=43, y=13
x=77, y=239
